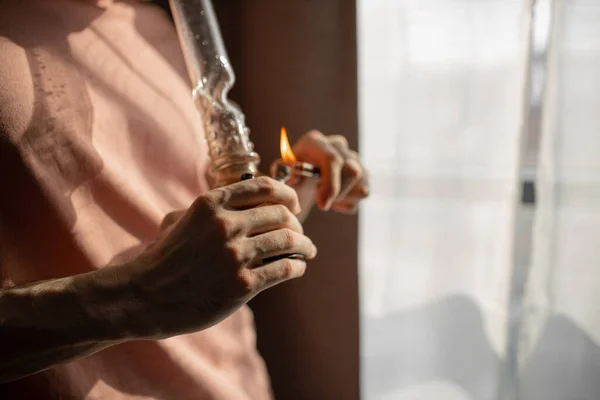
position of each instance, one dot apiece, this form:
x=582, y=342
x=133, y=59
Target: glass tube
x=230, y=148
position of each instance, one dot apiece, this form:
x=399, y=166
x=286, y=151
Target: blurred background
x=479, y=250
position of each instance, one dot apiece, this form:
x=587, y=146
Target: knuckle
x=353, y=169
x=218, y=196
x=289, y=220
x=283, y=214
x=289, y=238
x=223, y=224
x=339, y=139
x=265, y=184
x=364, y=191
x=204, y=207
x=315, y=134
x=235, y=254
x=246, y=281
x=333, y=157
x=292, y=269
x=170, y=219
x=211, y=201
x=202, y=202
x=363, y=187
x=226, y=225
x=287, y=268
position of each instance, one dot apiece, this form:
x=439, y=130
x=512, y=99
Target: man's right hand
x=207, y=261
x=203, y=266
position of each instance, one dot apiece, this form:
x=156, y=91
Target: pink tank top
x=99, y=141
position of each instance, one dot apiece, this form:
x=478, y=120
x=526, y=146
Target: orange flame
x=287, y=155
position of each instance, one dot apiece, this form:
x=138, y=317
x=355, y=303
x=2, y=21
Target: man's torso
x=101, y=143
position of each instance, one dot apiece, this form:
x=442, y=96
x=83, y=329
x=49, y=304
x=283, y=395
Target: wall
x=295, y=63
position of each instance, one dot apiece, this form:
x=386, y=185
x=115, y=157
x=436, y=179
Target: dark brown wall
x=295, y=63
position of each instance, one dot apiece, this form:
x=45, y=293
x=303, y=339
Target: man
x=104, y=297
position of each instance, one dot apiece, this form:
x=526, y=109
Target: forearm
x=52, y=322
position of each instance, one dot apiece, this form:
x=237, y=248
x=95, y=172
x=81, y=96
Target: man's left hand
x=344, y=180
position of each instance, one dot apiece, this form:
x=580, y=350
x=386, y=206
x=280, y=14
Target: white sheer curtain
x=560, y=357
x=443, y=99
x=441, y=89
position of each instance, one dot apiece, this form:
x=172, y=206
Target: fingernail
x=322, y=204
